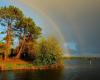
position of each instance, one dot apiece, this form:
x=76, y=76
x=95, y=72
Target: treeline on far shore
x=81, y=57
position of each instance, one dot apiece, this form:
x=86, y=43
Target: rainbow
x=30, y=4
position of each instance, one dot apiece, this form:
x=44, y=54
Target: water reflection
x=31, y=75
x=38, y=75
x=6, y=75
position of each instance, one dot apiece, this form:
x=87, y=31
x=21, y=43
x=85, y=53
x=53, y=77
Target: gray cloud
x=78, y=20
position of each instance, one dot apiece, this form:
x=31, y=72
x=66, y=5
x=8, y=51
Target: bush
x=50, y=52
x=30, y=51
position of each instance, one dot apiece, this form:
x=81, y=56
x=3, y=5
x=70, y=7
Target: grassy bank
x=17, y=64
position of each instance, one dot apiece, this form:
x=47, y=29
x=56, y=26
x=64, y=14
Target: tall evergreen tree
x=9, y=16
x=29, y=32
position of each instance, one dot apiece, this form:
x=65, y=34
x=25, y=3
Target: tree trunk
x=21, y=48
x=8, y=42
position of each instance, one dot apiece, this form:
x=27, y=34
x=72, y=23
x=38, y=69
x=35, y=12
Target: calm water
x=74, y=70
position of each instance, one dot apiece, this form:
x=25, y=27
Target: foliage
x=50, y=52
x=30, y=51
x=10, y=15
x=8, y=18
x=43, y=52
x=27, y=27
x=17, y=26
x=28, y=33
x=40, y=52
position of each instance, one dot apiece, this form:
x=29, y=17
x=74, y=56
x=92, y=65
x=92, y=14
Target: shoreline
x=31, y=68
x=18, y=64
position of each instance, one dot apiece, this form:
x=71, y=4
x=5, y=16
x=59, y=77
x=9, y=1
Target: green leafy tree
x=17, y=26
x=28, y=28
x=9, y=16
x=29, y=33
x=50, y=52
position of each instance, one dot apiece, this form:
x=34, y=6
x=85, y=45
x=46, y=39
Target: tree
x=28, y=28
x=9, y=16
x=18, y=26
x=29, y=32
x=50, y=52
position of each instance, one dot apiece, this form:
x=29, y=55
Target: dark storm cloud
x=78, y=20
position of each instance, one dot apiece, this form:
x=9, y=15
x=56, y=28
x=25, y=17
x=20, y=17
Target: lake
x=73, y=70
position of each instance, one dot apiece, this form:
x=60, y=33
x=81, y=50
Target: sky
x=76, y=23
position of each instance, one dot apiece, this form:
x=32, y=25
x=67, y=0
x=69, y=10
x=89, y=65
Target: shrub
x=50, y=52
x=30, y=51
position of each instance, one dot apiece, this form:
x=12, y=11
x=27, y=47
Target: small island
x=22, y=46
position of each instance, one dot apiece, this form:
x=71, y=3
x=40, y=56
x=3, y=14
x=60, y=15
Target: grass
x=13, y=64
x=18, y=64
